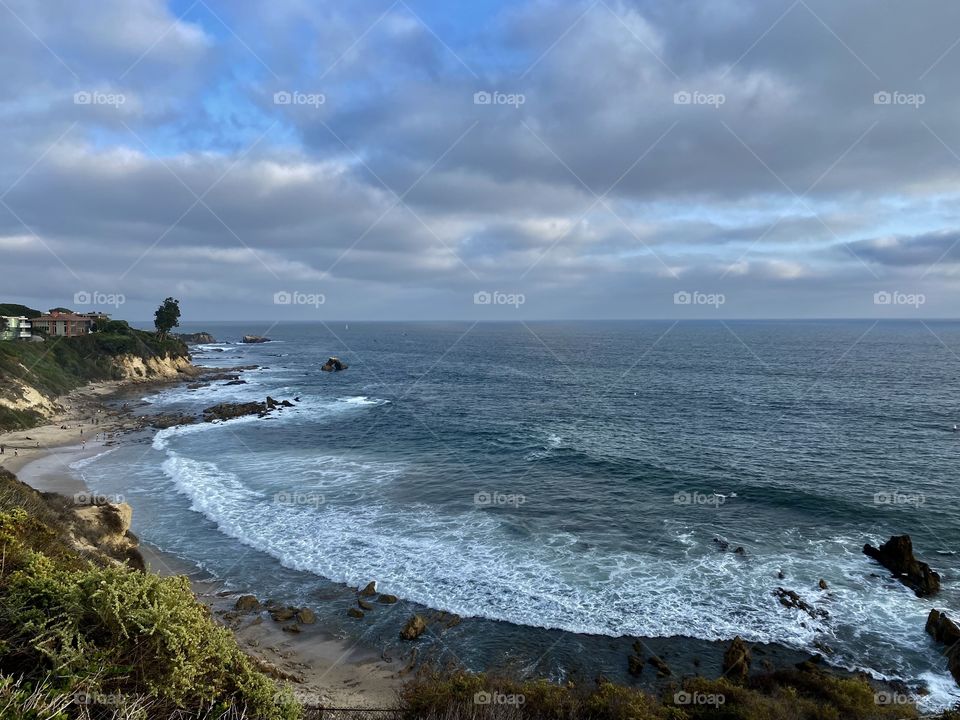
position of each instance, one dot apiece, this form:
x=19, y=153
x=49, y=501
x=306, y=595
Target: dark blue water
x=575, y=476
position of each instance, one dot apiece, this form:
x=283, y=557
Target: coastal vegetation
x=82, y=636
x=807, y=693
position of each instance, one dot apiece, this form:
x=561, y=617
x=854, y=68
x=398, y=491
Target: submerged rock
x=635, y=661
x=414, y=628
x=283, y=614
x=365, y=605
x=663, y=670
x=896, y=554
x=247, y=604
x=736, y=660
x=387, y=599
x=355, y=613
x=306, y=616
x=790, y=599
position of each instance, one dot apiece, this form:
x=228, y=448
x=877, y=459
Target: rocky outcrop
x=105, y=527
x=736, y=660
x=253, y=339
x=369, y=590
x=247, y=604
x=387, y=599
x=945, y=631
x=414, y=628
x=169, y=420
x=228, y=411
x=334, y=364
x=200, y=338
x=896, y=554
x=790, y=599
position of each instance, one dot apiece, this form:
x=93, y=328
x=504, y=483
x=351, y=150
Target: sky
x=482, y=160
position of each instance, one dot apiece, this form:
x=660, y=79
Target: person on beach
x=1, y=449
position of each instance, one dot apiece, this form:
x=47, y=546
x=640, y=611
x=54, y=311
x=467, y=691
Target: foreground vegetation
x=60, y=364
x=81, y=637
x=795, y=694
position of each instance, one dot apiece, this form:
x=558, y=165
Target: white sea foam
x=465, y=562
x=83, y=462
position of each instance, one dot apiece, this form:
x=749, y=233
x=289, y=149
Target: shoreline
x=326, y=669
x=323, y=669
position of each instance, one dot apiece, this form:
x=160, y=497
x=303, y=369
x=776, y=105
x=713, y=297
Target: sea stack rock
x=333, y=364
x=195, y=338
x=896, y=554
x=251, y=339
x=945, y=631
x=736, y=660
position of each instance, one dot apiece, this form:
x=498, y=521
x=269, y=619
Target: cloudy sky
x=426, y=159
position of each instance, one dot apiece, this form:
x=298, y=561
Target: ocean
x=568, y=486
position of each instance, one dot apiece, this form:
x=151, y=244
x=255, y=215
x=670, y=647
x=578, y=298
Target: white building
x=15, y=327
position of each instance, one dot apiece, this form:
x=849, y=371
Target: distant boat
x=346, y=327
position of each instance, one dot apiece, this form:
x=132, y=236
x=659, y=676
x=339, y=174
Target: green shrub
x=77, y=629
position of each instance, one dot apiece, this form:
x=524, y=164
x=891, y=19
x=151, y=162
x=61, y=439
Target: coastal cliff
x=34, y=375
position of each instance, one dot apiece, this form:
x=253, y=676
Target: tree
x=167, y=317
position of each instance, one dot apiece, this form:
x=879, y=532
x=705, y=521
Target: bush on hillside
x=72, y=630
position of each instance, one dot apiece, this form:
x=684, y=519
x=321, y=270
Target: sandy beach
x=322, y=669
